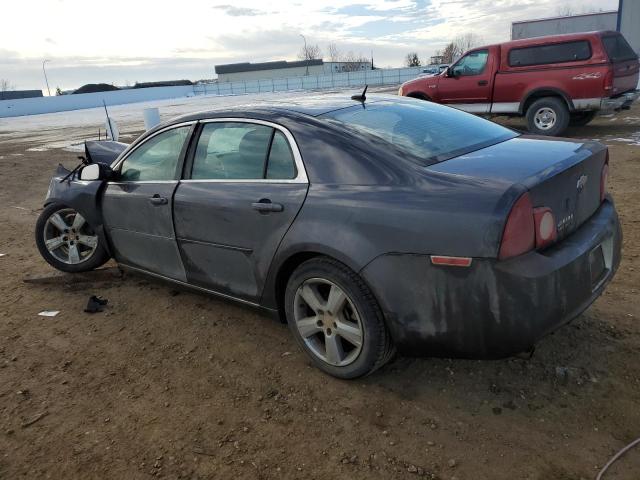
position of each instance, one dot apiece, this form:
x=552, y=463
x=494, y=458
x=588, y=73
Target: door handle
x=158, y=200
x=483, y=83
x=265, y=206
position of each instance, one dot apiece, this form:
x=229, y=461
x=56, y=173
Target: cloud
x=233, y=11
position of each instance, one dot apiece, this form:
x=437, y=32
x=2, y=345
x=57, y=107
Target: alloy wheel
x=545, y=118
x=328, y=322
x=69, y=238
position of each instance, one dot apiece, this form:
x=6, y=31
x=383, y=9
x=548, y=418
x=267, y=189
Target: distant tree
x=5, y=85
x=58, y=91
x=412, y=60
x=353, y=62
x=333, y=52
x=564, y=11
x=459, y=45
x=310, y=52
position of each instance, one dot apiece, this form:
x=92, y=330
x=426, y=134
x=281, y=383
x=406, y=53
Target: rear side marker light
x=545, y=222
x=451, y=261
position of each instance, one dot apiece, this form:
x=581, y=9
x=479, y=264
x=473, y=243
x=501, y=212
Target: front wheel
x=548, y=116
x=336, y=320
x=67, y=242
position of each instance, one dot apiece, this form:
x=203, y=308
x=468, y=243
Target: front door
x=137, y=206
x=247, y=184
x=468, y=85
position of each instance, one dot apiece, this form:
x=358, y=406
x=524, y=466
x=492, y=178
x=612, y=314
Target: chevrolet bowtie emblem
x=582, y=181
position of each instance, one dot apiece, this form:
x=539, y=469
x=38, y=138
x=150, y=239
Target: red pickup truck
x=554, y=81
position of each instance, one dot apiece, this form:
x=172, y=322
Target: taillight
x=604, y=176
x=545, y=223
x=608, y=79
x=519, y=233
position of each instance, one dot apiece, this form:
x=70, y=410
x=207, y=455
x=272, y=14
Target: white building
x=280, y=69
x=588, y=22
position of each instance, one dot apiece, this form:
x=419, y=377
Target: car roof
x=310, y=105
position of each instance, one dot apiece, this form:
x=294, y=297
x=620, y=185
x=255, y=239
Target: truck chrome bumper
x=621, y=102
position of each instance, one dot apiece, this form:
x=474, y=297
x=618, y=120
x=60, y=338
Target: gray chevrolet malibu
x=368, y=224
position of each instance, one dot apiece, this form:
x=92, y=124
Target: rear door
x=469, y=86
x=137, y=205
x=244, y=187
x=625, y=63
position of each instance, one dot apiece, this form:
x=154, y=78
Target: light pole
x=305, y=52
x=45, y=76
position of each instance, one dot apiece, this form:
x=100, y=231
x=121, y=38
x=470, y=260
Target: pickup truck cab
x=554, y=81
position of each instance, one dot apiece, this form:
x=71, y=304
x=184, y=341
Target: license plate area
x=597, y=266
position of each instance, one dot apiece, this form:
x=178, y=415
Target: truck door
x=467, y=83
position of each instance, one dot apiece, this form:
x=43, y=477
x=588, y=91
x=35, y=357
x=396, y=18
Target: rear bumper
x=494, y=309
x=621, y=102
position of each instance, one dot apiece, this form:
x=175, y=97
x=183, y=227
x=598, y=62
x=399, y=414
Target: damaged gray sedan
x=369, y=225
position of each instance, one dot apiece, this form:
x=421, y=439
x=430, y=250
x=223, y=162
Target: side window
x=231, y=150
x=471, y=64
x=157, y=158
x=551, y=53
x=281, y=165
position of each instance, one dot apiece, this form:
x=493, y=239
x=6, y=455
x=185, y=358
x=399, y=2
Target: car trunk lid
x=561, y=174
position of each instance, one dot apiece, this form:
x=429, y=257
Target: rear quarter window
x=552, y=53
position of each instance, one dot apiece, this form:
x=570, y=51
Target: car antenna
x=362, y=97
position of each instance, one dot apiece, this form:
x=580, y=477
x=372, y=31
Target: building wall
x=272, y=73
x=326, y=68
x=630, y=22
x=573, y=24
x=63, y=103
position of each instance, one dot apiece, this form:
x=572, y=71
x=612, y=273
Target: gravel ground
x=172, y=384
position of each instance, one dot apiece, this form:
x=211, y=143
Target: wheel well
x=286, y=269
x=418, y=95
x=537, y=95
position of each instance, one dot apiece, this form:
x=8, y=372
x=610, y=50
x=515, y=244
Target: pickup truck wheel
x=548, y=116
x=66, y=240
x=581, y=119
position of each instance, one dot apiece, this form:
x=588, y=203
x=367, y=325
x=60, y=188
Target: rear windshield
x=429, y=132
x=551, y=53
x=618, y=49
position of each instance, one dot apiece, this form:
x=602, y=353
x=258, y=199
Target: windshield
x=429, y=132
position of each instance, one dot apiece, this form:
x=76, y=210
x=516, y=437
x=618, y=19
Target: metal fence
x=389, y=76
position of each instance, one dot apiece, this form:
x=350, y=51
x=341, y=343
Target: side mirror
x=95, y=171
x=450, y=72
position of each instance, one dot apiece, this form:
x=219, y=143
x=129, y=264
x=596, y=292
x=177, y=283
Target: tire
x=317, y=279
x=56, y=228
x=581, y=119
x=548, y=116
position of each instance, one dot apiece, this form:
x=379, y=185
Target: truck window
x=472, y=63
x=618, y=49
x=552, y=53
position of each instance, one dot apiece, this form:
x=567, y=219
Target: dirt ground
x=173, y=384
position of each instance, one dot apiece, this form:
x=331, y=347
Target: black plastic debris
x=95, y=304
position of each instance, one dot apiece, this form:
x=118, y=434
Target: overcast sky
x=124, y=41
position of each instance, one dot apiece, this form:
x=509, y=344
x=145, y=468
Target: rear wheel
x=548, y=116
x=581, y=119
x=67, y=242
x=336, y=320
